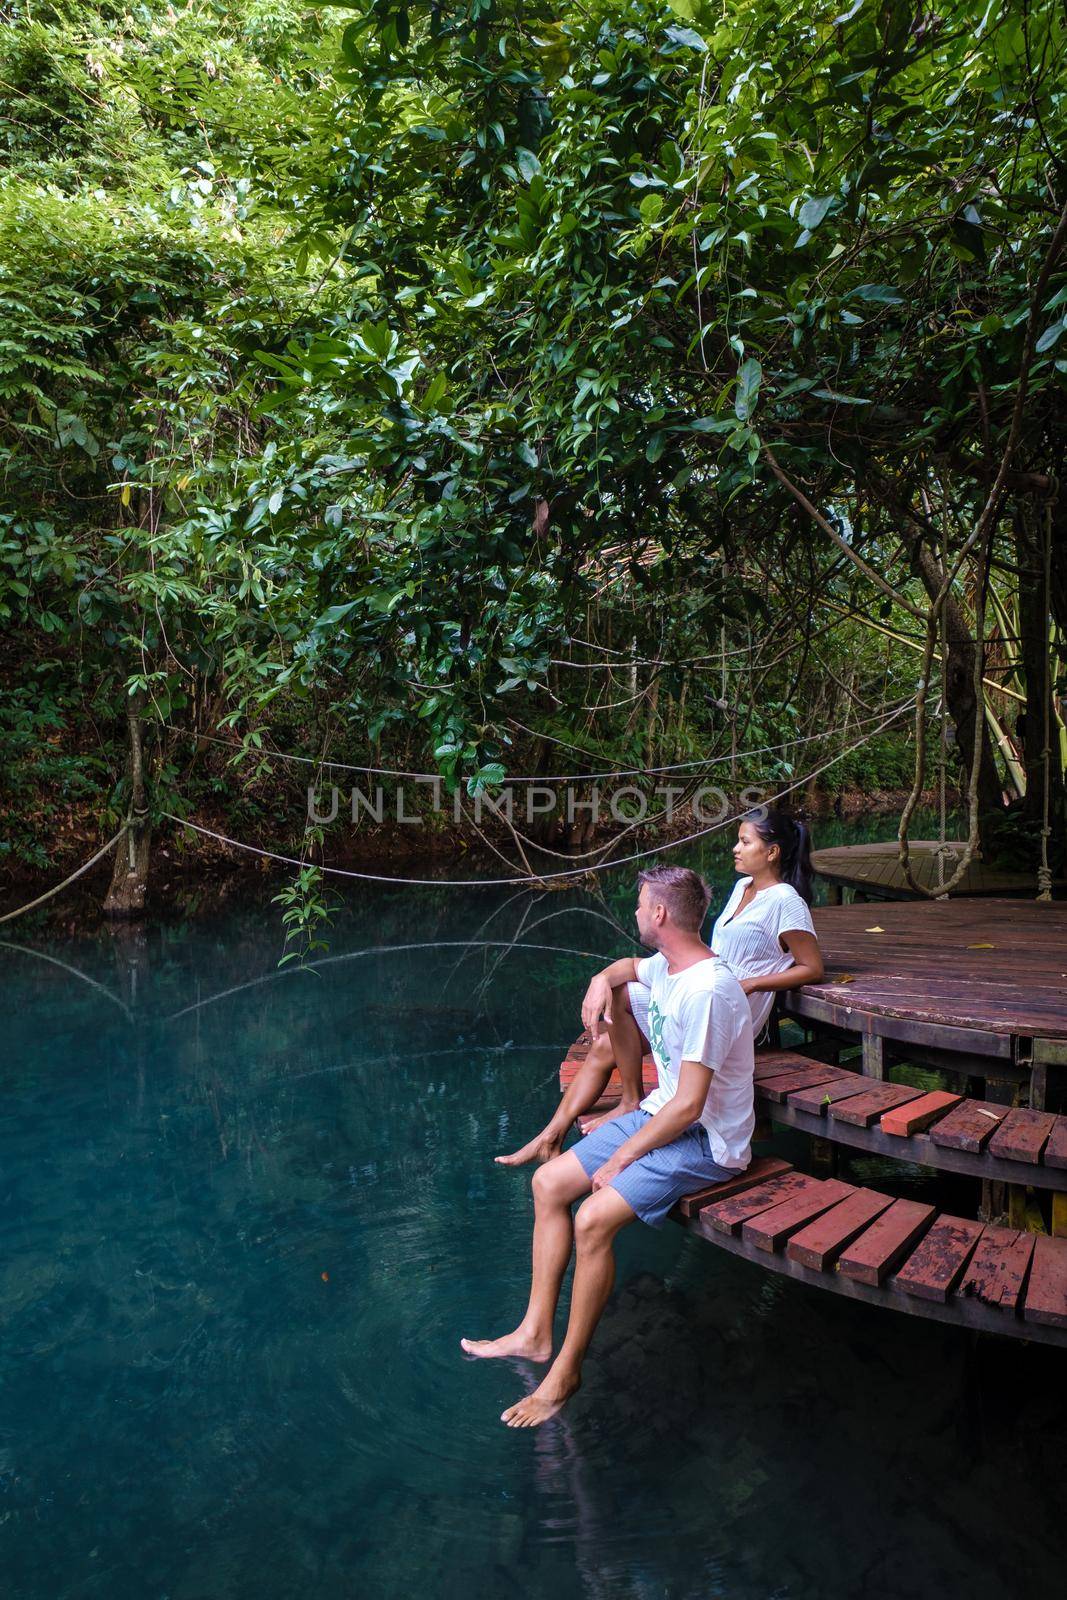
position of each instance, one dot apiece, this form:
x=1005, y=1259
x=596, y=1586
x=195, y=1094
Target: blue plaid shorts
x=651, y=1184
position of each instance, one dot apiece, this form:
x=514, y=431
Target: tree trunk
x=959, y=686
x=1038, y=721
x=129, y=878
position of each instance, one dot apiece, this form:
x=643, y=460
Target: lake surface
x=247, y=1215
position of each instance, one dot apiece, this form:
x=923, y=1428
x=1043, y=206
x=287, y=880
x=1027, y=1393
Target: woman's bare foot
x=542, y=1148
x=548, y=1398
x=519, y=1345
x=620, y=1110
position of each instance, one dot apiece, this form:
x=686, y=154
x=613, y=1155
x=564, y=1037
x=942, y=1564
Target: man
x=693, y=1130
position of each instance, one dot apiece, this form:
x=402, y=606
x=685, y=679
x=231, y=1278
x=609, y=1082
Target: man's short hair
x=683, y=893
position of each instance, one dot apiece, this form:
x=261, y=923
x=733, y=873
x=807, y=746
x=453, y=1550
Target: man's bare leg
x=595, y=1227
x=556, y=1186
x=587, y=1088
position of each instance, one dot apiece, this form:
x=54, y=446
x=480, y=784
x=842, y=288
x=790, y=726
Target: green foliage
x=408, y=378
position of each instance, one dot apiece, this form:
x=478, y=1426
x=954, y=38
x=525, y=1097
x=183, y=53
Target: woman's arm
x=807, y=965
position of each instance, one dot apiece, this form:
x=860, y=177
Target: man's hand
x=611, y=1169
x=597, y=1004
x=749, y=985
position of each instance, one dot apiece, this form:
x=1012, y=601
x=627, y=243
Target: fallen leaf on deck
x=874, y=930
x=846, y=977
x=981, y=947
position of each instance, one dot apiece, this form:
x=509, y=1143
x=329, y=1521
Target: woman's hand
x=750, y=985
x=597, y=1004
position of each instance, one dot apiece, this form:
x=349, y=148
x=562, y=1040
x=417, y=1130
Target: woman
x=765, y=935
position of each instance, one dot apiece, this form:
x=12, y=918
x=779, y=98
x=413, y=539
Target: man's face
x=648, y=922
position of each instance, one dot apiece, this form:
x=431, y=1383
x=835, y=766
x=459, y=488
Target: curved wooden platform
x=898, y=1254
x=975, y=978
x=874, y=870
x=892, y=1252
x=949, y=1132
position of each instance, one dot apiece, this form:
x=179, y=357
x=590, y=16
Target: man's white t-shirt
x=750, y=942
x=702, y=1014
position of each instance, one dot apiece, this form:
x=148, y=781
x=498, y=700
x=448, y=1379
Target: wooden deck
x=949, y=1132
x=980, y=978
x=873, y=870
x=899, y=1254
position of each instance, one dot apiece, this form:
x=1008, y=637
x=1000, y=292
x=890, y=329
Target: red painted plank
x=997, y=1270
x=776, y=1089
x=1046, y=1292
x=771, y=1228
x=872, y=1256
x=820, y=1243
x=969, y=1127
x=729, y=1215
x=757, y=1172
x=1022, y=1135
x=816, y=1099
x=1055, y=1152
x=933, y=1269
x=917, y=1115
x=861, y=1110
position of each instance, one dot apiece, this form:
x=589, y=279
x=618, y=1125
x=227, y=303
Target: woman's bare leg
x=587, y=1088
x=627, y=1048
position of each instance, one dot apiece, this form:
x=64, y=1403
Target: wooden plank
x=728, y=1216
x=934, y=1267
x=757, y=1172
x=997, y=1270
x=1055, y=1152
x=863, y=1109
x=917, y=1115
x=771, y=1228
x=969, y=1127
x=809, y=1077
x=815, y=1099
x=820, y=1243
x=871, y=1257
x=1046, y=1291
x=772, y=1063
x=1022, y=1135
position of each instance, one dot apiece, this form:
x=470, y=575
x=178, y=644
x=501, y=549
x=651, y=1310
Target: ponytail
x=794, y=846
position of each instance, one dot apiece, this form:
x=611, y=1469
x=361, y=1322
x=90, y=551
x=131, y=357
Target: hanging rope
x=544, y=877
x=11, y=915
x=1044, y=872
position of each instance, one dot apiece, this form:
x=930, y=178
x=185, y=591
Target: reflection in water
x=247, y=1220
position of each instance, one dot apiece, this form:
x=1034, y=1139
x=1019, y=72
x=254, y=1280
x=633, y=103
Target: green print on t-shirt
x=655, y=1035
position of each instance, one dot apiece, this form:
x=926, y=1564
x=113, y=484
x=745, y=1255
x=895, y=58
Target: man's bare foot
x=542, y=1148
x=620, y=1110
x=519, y=1345
x=548, y=1398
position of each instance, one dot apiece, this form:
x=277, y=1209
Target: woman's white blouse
x=750, y=941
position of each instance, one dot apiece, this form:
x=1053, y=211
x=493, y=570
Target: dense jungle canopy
x=500, y=388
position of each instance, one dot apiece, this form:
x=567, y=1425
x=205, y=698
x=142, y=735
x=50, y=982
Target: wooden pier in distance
x=978, y=990
x=874, y=872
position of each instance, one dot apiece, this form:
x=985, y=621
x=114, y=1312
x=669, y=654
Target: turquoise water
x=247, y=1216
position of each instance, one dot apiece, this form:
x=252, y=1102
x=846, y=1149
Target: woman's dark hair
x=794, y=846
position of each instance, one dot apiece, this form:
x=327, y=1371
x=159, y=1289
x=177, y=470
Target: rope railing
x=50, y=894
x=706, y=762
x=541, y=877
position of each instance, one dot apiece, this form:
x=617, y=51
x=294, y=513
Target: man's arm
x=679, y=1113
x=597, y=1002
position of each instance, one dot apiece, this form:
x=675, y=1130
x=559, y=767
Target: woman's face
x=752, y=857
